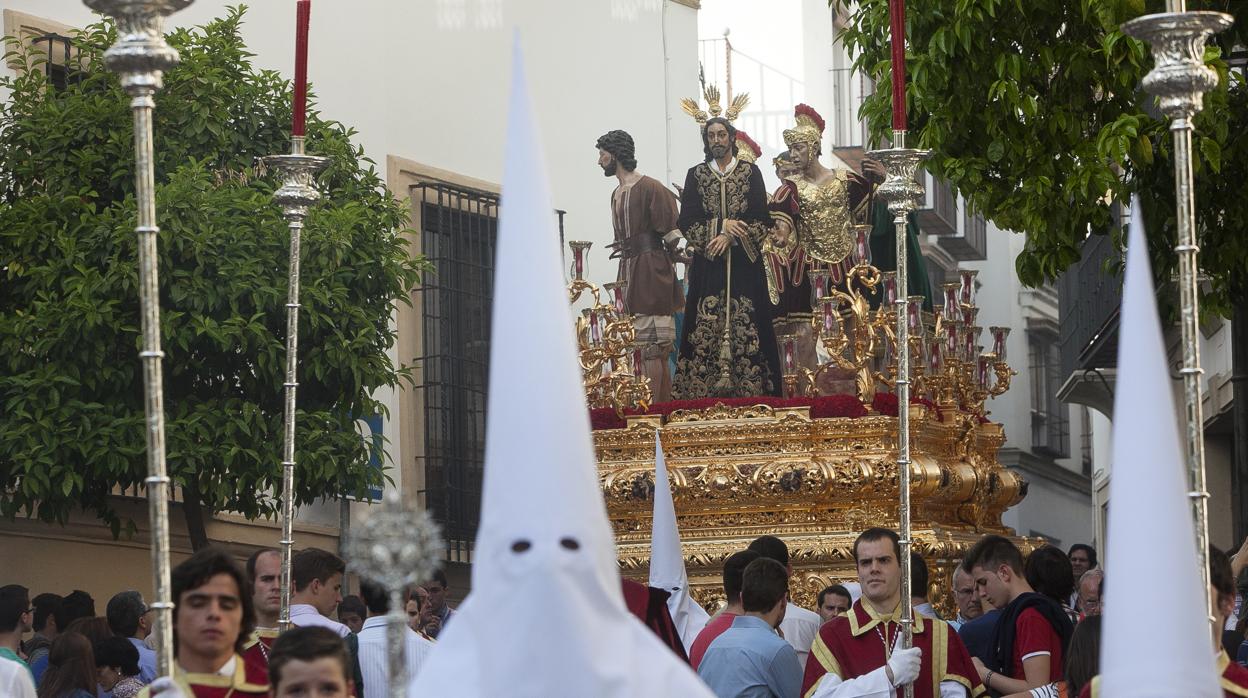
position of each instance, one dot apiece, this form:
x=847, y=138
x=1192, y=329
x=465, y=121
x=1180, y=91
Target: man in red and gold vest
x=860, y=653
x=264, y=569
x=213, y=616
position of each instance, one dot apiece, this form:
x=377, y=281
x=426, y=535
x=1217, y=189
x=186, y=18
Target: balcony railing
x=1089, y=297
x=969, y=241
x=939, y=214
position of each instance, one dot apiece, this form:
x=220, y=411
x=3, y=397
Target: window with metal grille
x=457, y=233
x=457, y=227
x=1050, y=424
x=60, y=65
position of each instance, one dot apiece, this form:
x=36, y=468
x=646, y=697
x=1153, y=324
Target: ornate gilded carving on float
x=739, y=470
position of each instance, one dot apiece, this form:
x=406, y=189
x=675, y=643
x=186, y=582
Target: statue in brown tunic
x=643, y=214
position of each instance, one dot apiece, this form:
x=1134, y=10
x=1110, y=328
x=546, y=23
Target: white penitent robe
x=546, y=616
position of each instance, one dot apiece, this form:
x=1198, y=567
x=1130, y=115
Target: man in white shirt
x=375, y=645
x=317, y=577
x=799, y=625
x=15, y=619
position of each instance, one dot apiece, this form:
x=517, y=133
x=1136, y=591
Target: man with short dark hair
x=212, y=617
x=860, y=653
x=310, y=662
x=1031, y=636
x=749, y=660
x=375, y=644
x=734, y=571
x=128, y=617
x=437, y=588
x=15, y=619
x=834, y=601
x=920, y=586
x=77, y=604
x=799, y=626
x=317, y=579
x=1082, y=558
x=351, y=613
x=48, y=623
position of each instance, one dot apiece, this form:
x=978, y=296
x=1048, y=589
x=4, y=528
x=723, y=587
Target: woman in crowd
x=1048, y=571
x=71, y=668
x=117, y=667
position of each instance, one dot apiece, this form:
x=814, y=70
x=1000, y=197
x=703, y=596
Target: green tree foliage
x=71, y=409
x=1033, y=110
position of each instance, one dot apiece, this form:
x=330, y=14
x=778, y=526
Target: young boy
x=309, y=661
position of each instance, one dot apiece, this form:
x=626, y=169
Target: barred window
x=1050, y=423
x=457, y=232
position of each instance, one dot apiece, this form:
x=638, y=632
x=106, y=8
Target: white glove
x=166, y=687
x=903, y=665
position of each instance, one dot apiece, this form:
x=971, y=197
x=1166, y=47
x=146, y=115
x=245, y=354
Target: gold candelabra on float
x=840, y=297
x=949, y=366
x=612, y=363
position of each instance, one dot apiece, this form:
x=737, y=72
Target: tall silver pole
x=903, y=194
x=1180, y=78
x=396, y=546
x=294, y=197
x=140, y=58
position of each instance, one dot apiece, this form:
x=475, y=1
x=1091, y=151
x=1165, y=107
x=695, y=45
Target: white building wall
x=432, y=87
x=1056, y=506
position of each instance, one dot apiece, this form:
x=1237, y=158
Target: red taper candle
x=303, y=13
x=897, y=35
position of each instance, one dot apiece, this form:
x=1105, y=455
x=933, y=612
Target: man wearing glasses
x=15, y=620
x=129, y=617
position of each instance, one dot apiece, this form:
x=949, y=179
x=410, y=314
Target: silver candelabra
x=140, y=58
x=295, y=196
x=1180, y=79
x=396, y=546
x=903, y=193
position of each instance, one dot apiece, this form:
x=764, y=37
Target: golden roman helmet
x=808, y=130
x=713, y=107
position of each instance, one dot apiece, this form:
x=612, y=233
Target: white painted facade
x=428, y=82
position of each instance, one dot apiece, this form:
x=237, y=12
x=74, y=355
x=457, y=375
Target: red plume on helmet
x=743, y=139
x=809, y=111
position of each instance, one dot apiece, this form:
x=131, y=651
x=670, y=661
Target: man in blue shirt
x=128, y=617
x=749, y=660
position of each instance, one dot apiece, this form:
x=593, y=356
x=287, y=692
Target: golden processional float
x=812, y=468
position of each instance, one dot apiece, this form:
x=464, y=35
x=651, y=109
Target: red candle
x=897, y=27
x=303, y=12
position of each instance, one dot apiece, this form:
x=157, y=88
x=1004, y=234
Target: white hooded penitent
x=546, y=615
x=1167, y=651
x=667, y=562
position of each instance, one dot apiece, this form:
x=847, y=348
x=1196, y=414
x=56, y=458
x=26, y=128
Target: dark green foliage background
x=71, y=409
x=1033, y=110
